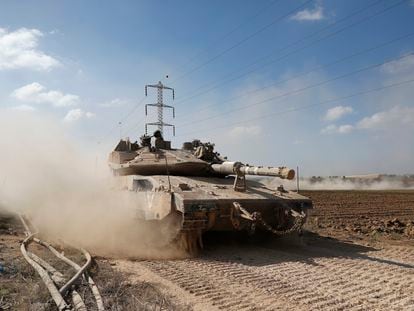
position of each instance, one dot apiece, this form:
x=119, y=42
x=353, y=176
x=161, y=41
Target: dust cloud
x=381, y=182
x=47, y=176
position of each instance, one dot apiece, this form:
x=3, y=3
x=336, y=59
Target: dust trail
x=379, y=182
x=49, y=177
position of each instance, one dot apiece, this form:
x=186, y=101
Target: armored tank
x=193, y=189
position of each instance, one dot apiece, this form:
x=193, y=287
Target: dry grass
x=22, y=289
x=122, y=295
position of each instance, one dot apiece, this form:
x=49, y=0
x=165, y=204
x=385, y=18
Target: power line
x=135, y=125
x=239, y=26
x=308, y=87
x=237, y=44
x=225, y=81
x=311, y=70
x=258, y=13
x=262, y=29
x=278, y=50
x=221, y=38
x=309, y=106
x=335, y=62
x=123, y=119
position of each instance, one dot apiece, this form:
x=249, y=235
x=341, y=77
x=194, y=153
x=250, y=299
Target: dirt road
x=325, y=274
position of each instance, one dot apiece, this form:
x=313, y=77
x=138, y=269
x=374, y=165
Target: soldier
x=158, y=139
x=146, y=141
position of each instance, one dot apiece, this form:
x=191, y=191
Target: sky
x=325, y=85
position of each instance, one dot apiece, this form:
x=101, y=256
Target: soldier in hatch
x=158, y=140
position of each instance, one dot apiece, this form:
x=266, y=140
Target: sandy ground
x=317, y=274
x=343, y=262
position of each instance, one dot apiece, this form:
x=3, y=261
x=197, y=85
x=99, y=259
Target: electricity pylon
x=160, y=107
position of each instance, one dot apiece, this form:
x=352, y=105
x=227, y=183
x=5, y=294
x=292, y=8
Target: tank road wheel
x=191, y=241
x=168, y=230
x=185, y=235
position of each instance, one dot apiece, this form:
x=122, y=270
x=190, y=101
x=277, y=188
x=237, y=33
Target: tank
x=193, y=189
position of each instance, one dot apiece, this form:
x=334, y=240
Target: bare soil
x=381, y=215
x=356, y=254
x=22, y=289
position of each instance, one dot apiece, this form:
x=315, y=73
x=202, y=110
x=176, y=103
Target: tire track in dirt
x=325, y=275
x=304, y=278
x=358, y=279
x=396, y=253
x=209, y=282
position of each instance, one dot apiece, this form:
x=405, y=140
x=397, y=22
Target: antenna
x=297, y=179
x=168, y=172
x=160, y=107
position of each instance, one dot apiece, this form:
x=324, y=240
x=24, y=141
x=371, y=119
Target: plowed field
x=361, y=211
x=352, y=205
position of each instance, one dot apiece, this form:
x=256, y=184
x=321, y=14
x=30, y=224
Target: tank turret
x=193, y=159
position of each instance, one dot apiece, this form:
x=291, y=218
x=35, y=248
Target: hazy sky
x=326, y=85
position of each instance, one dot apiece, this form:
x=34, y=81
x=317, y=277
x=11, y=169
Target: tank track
x=190, y=236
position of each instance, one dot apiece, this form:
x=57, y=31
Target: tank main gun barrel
x=229, y=168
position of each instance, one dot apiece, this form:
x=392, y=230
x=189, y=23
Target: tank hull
x=201, y=204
